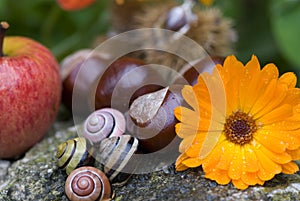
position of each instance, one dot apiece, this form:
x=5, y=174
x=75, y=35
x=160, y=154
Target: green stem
x=3, y=27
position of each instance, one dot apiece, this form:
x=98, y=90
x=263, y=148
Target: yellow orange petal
x=212, y=160
x=186, y=143
x=209, y=143
x=187, y=116
x=239, y=184
x=269, y=72
x=274, y=144
x=290, y=168
x=185, y=130
x=282, y=126
x=220, y=176
x=249, y=79
x=179, y=165
x=278, y=114
x=279, y=158
x=263, y=174
x=251, y=178
x=295, y=154
x=190, y=97
x=289, y=79
x=226, y=156
x=267, y=164
x=250, y=161
x=192, y=162
x=236, y=165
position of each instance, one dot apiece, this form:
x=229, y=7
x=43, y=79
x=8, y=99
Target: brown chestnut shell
x=151, y=119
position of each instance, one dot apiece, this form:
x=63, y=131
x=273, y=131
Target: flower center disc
x=239, y=128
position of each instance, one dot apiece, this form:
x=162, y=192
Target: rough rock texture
x=36, y=177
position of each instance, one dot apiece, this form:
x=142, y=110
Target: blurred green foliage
x=269, y=29
x=61, y=31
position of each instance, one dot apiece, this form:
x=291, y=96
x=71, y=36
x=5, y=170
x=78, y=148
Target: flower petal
x=187, y=116
x=268, y=167
x=192, y=162
x=179, y=165
x=186, y=143
x=190, y=97
x=226, y=156
x=295, y=154
x=250, y=161
x=251, y=178
x=273, y=144
x=236, y=165
x=289, y=79
x=279, y=158
x=212, y=160
x=185, y=130
x=248, y=87
x=290, y=168
x=220, y=176
x=239, y=184
x=278, y=114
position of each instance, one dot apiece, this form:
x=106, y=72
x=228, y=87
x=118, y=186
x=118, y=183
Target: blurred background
x=269, y=29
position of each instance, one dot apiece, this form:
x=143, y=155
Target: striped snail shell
x=74, y=153
x=103, y=123
x=115, y=155
x=88, y=183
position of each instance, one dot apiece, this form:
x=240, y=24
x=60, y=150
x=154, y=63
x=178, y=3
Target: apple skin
x=30, y=91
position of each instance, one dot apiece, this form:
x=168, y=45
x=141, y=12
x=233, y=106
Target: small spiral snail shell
x=103, y=123
x=115, y=155
x=74, y=153
x=88, y=183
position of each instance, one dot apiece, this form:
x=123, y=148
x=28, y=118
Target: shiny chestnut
x=151, y=119
x=120, y=81
x=81, y=67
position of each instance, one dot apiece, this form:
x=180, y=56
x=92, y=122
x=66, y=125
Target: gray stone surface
x=36, y=177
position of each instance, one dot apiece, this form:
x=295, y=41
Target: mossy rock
x=37, y=177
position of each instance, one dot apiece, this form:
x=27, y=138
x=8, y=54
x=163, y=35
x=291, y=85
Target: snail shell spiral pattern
x=74, y=153
x=115, y=155
x=88, y=183
x=103, y=123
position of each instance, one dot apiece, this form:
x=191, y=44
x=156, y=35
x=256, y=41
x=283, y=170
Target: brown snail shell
x=88, y=183
x=115, y=155
x=103, y=123
x=74, y=153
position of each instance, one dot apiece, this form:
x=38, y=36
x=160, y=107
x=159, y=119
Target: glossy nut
x=115, y=155
x=110, y=79
x=90, y=65
x=88, y=184
x=103, y=123
x=151, y=119
x=74, y=153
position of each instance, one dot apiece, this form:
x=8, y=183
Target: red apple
x=30, y=90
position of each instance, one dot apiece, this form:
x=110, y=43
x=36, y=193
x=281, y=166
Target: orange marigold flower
x=243, y=125
x=74, y=4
